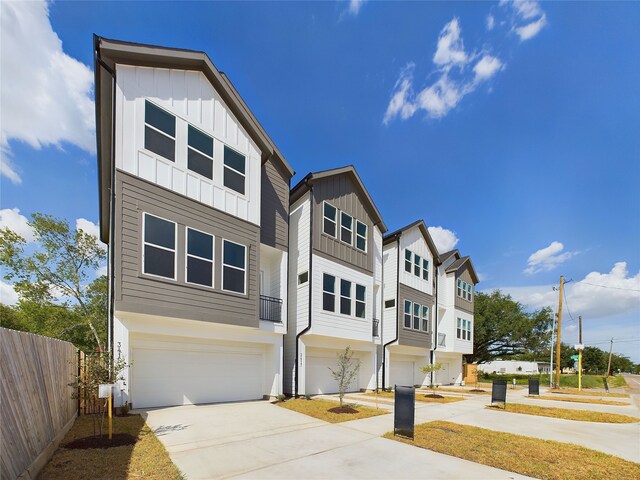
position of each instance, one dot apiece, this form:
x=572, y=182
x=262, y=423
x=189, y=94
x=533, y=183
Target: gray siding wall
x=409, y=337
x=139, y=293
x=341, y=192
x=274, y=206
x=462, y=303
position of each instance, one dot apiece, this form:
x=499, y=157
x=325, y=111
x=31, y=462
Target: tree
x=346, y=371
x=52, y=280
x=594, y=360
x=430, y=370
x=504, y=328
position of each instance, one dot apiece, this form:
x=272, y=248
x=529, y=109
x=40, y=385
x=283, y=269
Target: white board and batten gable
x=191, y=98
x=413, y=240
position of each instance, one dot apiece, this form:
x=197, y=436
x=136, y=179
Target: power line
x=564, y=294
x=607, y=286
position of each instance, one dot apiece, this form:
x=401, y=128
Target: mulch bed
x=433, y=395
x=117, y=440
x=344, y=409
x=477, y=390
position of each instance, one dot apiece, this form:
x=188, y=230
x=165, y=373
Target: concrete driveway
x=261, y=440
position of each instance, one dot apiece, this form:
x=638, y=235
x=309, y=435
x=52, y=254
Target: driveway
x=261, y=440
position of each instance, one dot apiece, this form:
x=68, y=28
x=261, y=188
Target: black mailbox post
x=404, y=411
x=534, y=386
x=499, y=392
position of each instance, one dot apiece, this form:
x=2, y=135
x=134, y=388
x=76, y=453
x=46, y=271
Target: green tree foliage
x=345, y=372
x=503, y=328
x=52, y=279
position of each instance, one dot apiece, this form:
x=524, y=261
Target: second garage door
x=318, y=376
x=401, y=373
x=180, y=374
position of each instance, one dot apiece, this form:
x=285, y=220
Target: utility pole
x=559, y=334
x=580, y=354
x=610, y=352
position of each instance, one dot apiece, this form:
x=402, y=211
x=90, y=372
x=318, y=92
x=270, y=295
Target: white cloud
x=444, y=239
x=548, y=258
x=487, y=67
x=450, y=49
x=12, y=219
x=528, y=18
x=400, y=100
x=491, y=22
x=355, y=6
x=8, y=295
x=46, y=95
x=526, y=8
x=88, y=227
x=532, y=29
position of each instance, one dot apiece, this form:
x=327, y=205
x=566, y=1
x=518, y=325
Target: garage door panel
x=319, y=379
x=402, y=372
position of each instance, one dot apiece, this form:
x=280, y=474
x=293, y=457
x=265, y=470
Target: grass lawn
x=330, y=411
x=575, y=391
x=545, y=459
x=145, y=458
x=420, y=397
x=588, y=381
x=596, y=401
x=474, y=391
x=567, y=414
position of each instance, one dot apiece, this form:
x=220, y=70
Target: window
x=200, y=152
x=234, y=170
x=361, y=292
x=407, y=314
x=329, y=293
x=345, y=297
x=469, y=292
x=329, y=221
x=465, y=290
x=459, y=329
x=407, y=261
x=346, y=227
x=390, y=303
x=199, y=258
x=425, y=318
x=303, y=278
x=459, y=287
x=416, y=264
x=416, y=316
x=159, y=247
x=425, y=269
x=159, y=131
x=361, y=236
x=233, y=266
x=468, y=329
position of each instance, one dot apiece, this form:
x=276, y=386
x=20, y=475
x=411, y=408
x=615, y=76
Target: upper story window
x=416, y=316
x=361, y=293
x=234, y=267
x=414, y=263
x=407, y=260
x=361, y=236
x=417, y=261
x=328, y=292
x=200, y=152
x=159, y=247
x=390, y=303
x=345, y=297
x=407, y=314
x=159, y=131
x=425, y=318
x=199, y=262
x=465, y=290
x=234, y=170
x=463, y=332
x=329, y=223
x=425, y=269
x=303, y=278
x=346, y=228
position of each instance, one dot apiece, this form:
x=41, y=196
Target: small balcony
x=376, y=325
x=442, y=339
x=270, y=309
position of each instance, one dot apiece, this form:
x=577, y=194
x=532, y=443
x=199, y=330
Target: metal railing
x=376, y=324
x=442, y=337
x=270, y=309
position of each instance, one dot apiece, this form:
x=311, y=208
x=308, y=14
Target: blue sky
x=511, y=126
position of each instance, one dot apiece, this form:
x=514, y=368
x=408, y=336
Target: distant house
x=511, y=367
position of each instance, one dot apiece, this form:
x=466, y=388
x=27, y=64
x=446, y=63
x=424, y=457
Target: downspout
x=384, y=347
x=308, y=327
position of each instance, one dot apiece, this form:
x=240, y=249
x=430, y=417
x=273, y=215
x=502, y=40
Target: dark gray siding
x=462, y=303
x=341, y=192
x=406, y=336
x=139, y=293
x=274, y=206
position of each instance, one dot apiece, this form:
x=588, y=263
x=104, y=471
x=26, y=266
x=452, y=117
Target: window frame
x=358, y=236
x=350, y=230
x=333, y=294
x=187, y=255
x=425, y=318
x=156, y=129
x=306, y=280
x=459, y=329
x=390, y=300
x=408, y=260
x=363, y=302
x=225, y=241
x=202, y=132
x=175, y=247
x=334, y=221
x=425, y=269
x=409, y=314
x=417, y=265
x=350, y=297
x=224, y=165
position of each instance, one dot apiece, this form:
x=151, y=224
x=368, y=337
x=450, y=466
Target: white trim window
x=460, y=288
x=425, y=319
x=234, y=170
x=468, y=329
x=407, y=314
x=345, y=297
x=425, y=269
x=465, y=290
x=159, y=246
x=199, y=261
x=416, y=316
x=234, y=267
x=361, y=296
x=346, y=228
x=469, y=292
x=329, y=220
x=408, y=255
x=463, y=332
x=459, y=329
x=200, y=152
x=361, y=236
x=328, y=292
x=159, y=131
x=417, y=263
x=391, y=303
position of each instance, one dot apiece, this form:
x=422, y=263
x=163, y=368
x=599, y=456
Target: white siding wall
x=377, y=279
x=191, y=98
x=390, y=291
x=459, y=345
x=413, y=240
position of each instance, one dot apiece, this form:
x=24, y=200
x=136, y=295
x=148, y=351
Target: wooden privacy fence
x=36, y=404
x=88, y=401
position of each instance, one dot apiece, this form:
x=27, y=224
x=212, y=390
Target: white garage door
x=401, y=373
x=319, y=379
x=443, y=374
x=183, y=374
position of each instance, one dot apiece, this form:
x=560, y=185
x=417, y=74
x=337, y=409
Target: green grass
x=420, y=397
x=328, y=411
x=597, y=401
x=568, y=381
x=545, y=459
x=565, y=413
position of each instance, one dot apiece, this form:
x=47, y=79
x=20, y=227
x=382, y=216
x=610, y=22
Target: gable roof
x=445, y=256
x=461, y=262
x=425, y=233
x=304, y=185
x=109, y=52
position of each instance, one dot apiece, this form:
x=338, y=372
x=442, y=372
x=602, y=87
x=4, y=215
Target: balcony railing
x=270, y=309
x=442, y=337
x=376, y=324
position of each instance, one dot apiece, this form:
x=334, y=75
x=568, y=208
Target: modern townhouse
x=194, y=205
x=410, y=258
x=335, y=288
x=454, y=330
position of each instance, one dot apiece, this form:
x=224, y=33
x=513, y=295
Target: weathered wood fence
x=36, y=404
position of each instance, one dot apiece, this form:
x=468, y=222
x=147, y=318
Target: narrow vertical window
x=407, y=314
x=468, y=329
x=425, y=269
x=328, y=292
x=159, y=247
x=459, y=287
x=200, y=152
x=425, y=319
x=345, y=297
x=469, y=292
x=329, y=223
x=361, y=293
x=199, y=258
x=407, y=261
x=416, y=316
x=159, y=131
x=417, y=260
x=361, y=236
x=234, y=170
x=234, y=258
x=346, y=228
x=459, y=329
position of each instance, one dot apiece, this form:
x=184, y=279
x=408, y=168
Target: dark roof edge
x=390, y=237
x=458, y=264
